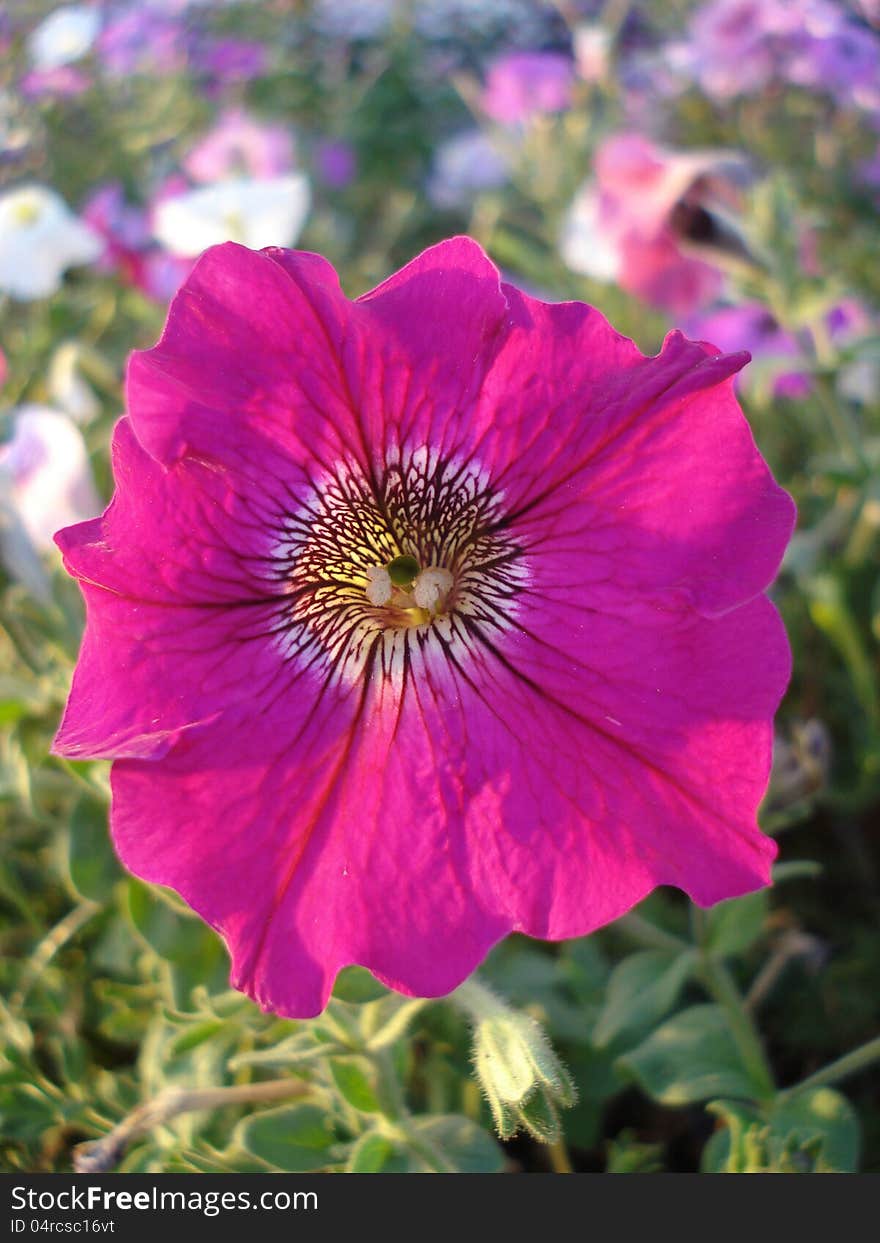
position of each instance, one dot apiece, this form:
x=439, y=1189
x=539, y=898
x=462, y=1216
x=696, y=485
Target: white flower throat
x=378, y=571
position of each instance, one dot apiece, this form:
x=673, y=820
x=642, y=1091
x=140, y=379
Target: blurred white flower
x=64, y=36
x=40, y=238
x=45, y=484
x=592, y=50
x=585, y=246
x=67, y=387
x=266, y=212
x=464, y=165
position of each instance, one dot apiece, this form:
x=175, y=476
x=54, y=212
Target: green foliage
x=808, y=1132
x=641, y=990
x=297, y=1138
x=690, y=1057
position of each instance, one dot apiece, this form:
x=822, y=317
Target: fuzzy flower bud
x=522, y=1077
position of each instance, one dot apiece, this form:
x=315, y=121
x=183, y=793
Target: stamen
x=432, y=587
x=379, y=587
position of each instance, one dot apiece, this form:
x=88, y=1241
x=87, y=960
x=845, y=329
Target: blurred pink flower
x=240, y=145
x=647, y=221
x=521, y=85
x=64, y=82
x=129, y=247
x=422, y=618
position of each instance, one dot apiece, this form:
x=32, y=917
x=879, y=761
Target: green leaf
x=386, y=1021
x=357, y=986
x=463, y=1144
x=354, y=1077
x=93, y=866
x=296, y=1138
x=641, y=990
x=370, y=1154
x=26, y=1113
x=689, y=1058
x=796, y=869
x=538, y=1115
x=823, y=1116
x=169, y=929
x=195, y=1034
x=732, y=926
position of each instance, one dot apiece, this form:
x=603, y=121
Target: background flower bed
x=366, y=131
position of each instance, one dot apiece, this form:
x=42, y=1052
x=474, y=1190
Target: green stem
x=399, y=1117
x=560, y=1161
x=850, y=1064
x=720, y=984
x=646, y=933
x=478, y=1001
x=722, y=988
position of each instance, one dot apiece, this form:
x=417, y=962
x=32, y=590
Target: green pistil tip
x=402, y=570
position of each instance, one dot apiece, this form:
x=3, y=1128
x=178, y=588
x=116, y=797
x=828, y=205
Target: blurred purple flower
x=521, y=85
x=750, y=326
x=737, y=47
x=336, y=163
x=869, y=171
x=228, y=60
x=142, y=41
x=843, y=61
x=239, y=145
x=464, y=165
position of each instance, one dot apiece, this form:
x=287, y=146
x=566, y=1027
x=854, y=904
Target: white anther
x=431, y=588
x=379, y=586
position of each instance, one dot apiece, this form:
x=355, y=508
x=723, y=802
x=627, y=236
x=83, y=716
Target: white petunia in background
x=40, y=238
x=256, y=212
x=45, y=483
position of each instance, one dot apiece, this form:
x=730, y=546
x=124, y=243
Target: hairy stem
x=100, y=1155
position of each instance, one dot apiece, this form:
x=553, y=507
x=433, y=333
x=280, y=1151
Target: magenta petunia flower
x=423, y=618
